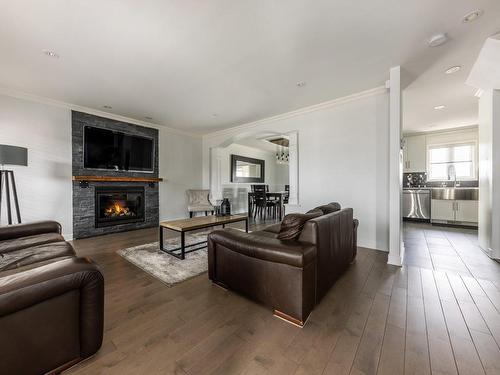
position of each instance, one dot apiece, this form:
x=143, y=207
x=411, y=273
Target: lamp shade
x=13, y=155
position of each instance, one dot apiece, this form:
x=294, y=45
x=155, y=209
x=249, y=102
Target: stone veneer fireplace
x=101, y=207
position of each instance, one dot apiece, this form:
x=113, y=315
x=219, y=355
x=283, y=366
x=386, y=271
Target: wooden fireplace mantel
x=117, y=179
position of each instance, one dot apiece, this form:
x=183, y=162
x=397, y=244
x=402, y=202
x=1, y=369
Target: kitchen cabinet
x=455, y=211
x=443, y=210
x=415, y=154
x=467, y=211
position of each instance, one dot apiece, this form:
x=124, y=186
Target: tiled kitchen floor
x=448, y=249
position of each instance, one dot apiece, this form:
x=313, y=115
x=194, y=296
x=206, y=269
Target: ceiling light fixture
x=453, y=69
x=438, y=107
x=301, y=83
x=437, y=40
x=472, y=16
x=50, y=53
x=107, y=107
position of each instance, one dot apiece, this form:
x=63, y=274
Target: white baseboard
x=491, y=253
x=397, y=260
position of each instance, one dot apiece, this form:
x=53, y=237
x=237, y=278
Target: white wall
x=276, y=175
x=45, y=187
x=343, y=156
x=489, y=177
x=180, y=166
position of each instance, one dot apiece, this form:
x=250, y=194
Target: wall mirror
x=247, y=170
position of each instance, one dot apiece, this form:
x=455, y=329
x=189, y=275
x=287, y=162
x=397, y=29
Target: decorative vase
x=225, y=207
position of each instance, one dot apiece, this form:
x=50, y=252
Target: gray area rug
x=165, y=267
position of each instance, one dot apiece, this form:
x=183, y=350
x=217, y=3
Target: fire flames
x=117, y=209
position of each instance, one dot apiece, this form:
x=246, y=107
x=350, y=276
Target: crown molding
x=298, y=112
x=74, y=107
x=301, y=111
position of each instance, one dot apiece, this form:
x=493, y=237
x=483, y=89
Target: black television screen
x=106, y=149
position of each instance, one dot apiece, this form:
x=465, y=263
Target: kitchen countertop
x=438, y=187
x=417, y=188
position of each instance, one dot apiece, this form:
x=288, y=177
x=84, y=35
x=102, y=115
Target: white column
x=215, y=173
x=396, y=247
x=489, y=173
x=293, y=168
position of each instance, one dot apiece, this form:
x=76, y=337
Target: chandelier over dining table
x=282, y=155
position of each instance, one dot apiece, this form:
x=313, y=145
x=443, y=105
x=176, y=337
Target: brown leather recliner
x=290, y=276
x=51, y=302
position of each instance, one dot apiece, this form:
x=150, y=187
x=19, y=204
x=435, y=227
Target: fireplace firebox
x=118, y=205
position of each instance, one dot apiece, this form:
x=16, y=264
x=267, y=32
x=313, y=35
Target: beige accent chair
x=198, y=201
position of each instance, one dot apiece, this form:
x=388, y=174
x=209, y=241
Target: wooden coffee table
x=201, y=222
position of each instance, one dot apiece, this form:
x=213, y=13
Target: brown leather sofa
x=51, y=302
x=289, y=276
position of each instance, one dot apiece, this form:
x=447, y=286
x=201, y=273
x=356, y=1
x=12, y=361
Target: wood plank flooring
x=438, y=314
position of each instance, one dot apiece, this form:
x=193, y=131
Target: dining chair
x=263, y=206
x=252, y=207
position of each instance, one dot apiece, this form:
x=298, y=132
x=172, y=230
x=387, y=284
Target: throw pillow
x=292, y=224
x=329, y=208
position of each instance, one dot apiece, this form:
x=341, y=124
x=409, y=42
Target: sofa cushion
x=292, y=224
x=328, y=208
x=200, y=207
x=29, y=241
x=26, y=256
x=9, y=232
x=265, y=233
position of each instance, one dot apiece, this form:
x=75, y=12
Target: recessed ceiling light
x=437, y=40
x=107, y=107
x=438, y=107
x=148, y=117
x=50, y=53
x=472, y=16
x=453, y=69
x=301, y=83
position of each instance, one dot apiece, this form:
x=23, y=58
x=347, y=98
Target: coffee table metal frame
x=183, y=249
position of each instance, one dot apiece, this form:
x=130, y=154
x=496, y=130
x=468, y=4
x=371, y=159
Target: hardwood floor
x=438, y=314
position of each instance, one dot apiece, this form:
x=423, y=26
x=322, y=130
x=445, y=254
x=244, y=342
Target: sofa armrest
x=22, y=290
x=293, y=253
x=23, y=230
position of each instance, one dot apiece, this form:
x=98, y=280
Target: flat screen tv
x=107, y=149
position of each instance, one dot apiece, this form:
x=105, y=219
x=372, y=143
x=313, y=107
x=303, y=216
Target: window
x=442, y=159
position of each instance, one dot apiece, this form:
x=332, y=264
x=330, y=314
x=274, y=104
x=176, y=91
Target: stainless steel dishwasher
x=417, y=204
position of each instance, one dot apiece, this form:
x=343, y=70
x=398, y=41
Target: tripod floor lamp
x=10, y=155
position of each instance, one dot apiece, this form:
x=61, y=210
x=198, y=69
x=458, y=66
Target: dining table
x=278, y=195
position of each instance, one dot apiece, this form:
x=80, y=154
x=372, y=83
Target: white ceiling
x=432, y=87
x=182, y=61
